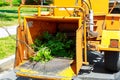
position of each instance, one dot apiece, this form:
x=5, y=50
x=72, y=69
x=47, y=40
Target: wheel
x=112, y=60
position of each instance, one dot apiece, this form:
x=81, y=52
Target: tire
x=112, y=60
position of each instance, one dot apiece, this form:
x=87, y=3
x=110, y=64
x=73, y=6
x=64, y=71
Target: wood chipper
x=88, y=24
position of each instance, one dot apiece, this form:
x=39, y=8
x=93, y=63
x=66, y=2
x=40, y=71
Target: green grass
x=7, y=46
x=9, y=15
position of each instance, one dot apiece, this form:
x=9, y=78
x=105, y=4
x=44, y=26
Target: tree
x=23, y=1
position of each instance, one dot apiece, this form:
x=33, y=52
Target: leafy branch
x=50, y=46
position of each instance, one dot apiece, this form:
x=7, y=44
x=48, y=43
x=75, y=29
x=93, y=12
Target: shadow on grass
x=9, y=11
x=8, y=17
x=16, y=11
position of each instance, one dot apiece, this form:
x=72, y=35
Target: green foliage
x=29, y=2
x=33, y=2
x=4, y=3
x=49, y=1
x=16, y=2
x=7, y=46
x=37, y=1
x=43, y=55
x=47, y=36
x=57, y=46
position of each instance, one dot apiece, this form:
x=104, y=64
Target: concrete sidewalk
x=11, y=30
x=7, y=62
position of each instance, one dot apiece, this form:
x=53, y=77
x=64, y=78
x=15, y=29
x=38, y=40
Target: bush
x=38, y=2
x=4, y=3
x=16, y=2
x=29, y=2
x=49, y=1
x=46, y=3
x=33, y=2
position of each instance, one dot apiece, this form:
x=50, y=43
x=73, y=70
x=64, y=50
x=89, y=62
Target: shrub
x=33, y=2
x=16, y=2
x=38, y=2
x=49, y=1
x=4, y=3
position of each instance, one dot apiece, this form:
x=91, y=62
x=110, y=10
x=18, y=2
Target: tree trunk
x=11, y=3
x=23, y=1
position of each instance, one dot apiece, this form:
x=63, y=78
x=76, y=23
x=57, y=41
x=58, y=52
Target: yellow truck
x=89, y=22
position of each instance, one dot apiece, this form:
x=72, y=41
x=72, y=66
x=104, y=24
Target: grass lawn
x=7, y=46
x=9, y=15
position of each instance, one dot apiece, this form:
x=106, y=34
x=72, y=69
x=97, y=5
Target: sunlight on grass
x=7, y=47
x=8, y=19
x=9, y=15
